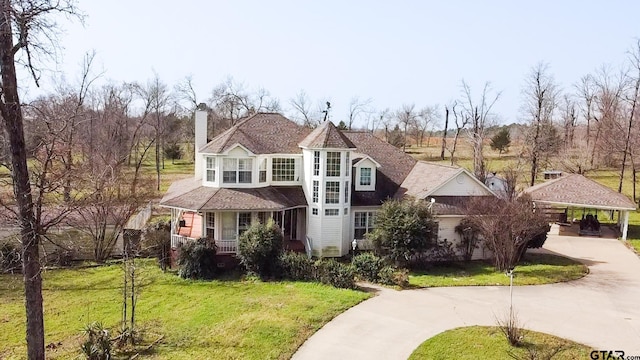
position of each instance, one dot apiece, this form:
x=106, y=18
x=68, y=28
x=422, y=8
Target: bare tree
x=586, y=93
x=461, y=120
x=632, y=100
x=405, y=116
x=444, y=132
x=358, y=107
x=569, y=115
x=302, y=110
x=507, y=227
x=423, y=123
x=230, y=101
x=31, y=25
x=540, y=103
x=479, y=113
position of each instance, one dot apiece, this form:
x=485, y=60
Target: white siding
x=461, y=185
x=331, y=235
x=446, y=230
x=237, y=152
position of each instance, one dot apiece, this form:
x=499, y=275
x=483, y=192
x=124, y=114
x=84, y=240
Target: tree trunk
x=12, y=115
x=444, y=134
x=628, y=137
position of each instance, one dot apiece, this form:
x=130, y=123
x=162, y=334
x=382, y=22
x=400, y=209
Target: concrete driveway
x=601, y=310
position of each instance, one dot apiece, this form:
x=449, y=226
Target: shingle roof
x=575, y=189
x=453, y=205
x=424, y=178
x=327, y=136
x=262, y=133
x=190, y=194
x=395, y=165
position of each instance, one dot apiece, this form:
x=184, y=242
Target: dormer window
x=333, y=163
x=236, y=171
x=365, y=176
x=211, y=169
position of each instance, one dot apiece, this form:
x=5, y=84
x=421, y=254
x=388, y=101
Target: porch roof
x=579, y=191
x=191, y=195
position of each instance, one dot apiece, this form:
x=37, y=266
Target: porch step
x=294, y=245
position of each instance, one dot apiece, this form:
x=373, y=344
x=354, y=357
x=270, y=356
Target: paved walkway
x=601, y=310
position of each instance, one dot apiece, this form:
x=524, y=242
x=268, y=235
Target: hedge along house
x=574, y=191
x=323, y=187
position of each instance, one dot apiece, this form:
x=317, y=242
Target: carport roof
x=579, y=191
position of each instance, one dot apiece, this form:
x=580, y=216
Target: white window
x=331, y=212
x=332, y=192
x=333, y=163
x=236, y=171
x=347, y=165
x=316, y=189
x=244, y=170
x=365, y=176
x=316, y=163
x=364, y=222
x=211, y=225
x=244, y=222
x=211, y=169
x=262, y=176
x=283, y=169
x=346, y=192
x=314, y=211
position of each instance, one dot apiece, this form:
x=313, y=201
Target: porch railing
x=222, y=246
x=226, y=246
x=177, y=240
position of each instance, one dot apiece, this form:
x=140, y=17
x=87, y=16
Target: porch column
x=625, y=225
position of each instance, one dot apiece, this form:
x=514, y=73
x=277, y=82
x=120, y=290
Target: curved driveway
x=601, y=310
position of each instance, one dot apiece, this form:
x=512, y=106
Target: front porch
x=224, y=228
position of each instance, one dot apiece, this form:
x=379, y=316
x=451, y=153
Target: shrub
x=470, y=238
x=173, y=152
x=389, y=275
x=97, y=346
x=10, y=258
x=511, y=328
x=61, y=257
x=197, y=260
x=259, y=248
x=336, y=274
x=295, y=266
x=367, y=266
x=403, y=229
x=157, y=242
x=443, y=252
x=539, y=240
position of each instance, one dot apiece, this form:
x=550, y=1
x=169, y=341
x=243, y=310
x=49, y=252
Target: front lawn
x=488, y=343
x=199, y=319
x=535, y=269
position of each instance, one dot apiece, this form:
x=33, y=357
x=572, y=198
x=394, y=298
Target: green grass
x=488, y=343
x=535, y=269
x=199, y=319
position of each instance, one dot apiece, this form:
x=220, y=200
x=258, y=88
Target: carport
x=577, y=191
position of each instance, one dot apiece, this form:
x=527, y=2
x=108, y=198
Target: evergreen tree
x=501, y=140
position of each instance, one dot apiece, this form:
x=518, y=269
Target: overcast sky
x=393, y=52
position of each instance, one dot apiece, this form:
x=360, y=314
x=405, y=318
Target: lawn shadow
x=587, y=262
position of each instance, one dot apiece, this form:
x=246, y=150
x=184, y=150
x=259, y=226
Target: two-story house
x=321, y=186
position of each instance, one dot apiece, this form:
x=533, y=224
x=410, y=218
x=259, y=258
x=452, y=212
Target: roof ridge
x=441, y=165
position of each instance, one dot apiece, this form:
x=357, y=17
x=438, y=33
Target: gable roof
x=425, y=178
x=261, y=133
x=191, y=195
x=395, y=165
x=327, y=136
x=577, y=190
